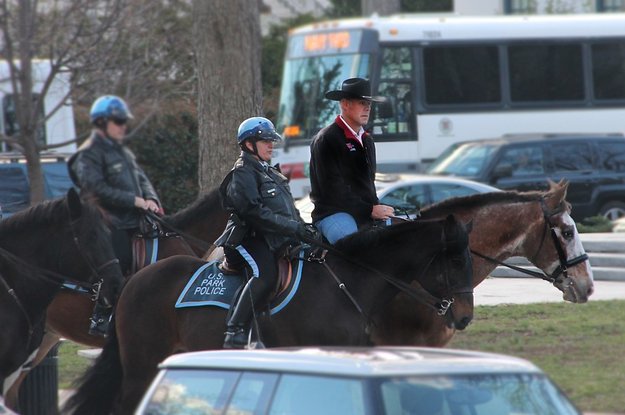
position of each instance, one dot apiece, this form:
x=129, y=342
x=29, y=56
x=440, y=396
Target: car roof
x=527, y=138
x=355, y=361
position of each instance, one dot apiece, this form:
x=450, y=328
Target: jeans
x=337, y=226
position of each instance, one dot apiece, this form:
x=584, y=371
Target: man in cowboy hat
x=342, y=166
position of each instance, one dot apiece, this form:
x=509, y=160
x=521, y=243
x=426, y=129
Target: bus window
x=461, y=75
x=608, y=59
x=396, y=85
x=540, y=72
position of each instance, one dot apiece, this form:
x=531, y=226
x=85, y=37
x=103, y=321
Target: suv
x=593, y=164
x=14, y=185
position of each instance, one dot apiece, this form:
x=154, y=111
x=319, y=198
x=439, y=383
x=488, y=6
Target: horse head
x=560, y=254
x=91, y=249
x=454, y=273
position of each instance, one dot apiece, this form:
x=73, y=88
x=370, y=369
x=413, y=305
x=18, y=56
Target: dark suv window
x=524, y=161
x=571, y=156
x=612, y=156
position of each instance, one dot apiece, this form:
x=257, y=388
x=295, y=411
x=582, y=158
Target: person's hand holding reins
x=148, y=204
x=382, y=212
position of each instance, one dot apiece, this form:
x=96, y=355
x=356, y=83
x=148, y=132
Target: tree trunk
x=228, y=43
x=381, y=7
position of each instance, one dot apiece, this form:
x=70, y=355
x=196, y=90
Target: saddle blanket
x=209, y=286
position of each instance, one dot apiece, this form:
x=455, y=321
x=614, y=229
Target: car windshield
x=468, y=160
x=490, y=394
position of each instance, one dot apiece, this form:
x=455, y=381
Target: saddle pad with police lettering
x=208, y=286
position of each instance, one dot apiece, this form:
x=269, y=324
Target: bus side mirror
x=384, y=110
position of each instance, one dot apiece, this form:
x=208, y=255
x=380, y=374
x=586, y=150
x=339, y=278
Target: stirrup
x=236, y=338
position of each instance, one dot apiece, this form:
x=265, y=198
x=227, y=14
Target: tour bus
x=452, y=78
x=56, y=107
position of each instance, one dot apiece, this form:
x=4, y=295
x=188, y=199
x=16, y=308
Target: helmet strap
x=253, y=151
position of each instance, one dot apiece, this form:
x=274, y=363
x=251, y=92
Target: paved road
x=494, y=291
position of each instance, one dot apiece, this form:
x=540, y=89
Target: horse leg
x=12, y=393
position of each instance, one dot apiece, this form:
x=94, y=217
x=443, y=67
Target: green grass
x=581, y=347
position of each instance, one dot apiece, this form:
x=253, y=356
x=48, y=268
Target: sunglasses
x=119, y=121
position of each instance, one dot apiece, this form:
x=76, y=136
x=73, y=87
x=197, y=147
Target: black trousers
x=260, y=261
x=122, y=246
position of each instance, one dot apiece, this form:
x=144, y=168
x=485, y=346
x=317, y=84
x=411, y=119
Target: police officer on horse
x=263, y=220
x=105, y=169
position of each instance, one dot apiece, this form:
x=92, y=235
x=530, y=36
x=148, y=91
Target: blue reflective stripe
x=298, y=278
x=248, y=258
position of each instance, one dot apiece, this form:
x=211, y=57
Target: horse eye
x=568, y=233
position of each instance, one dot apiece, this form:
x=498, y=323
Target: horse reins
x=562, y=269
x=420, y=294
x=203, y=245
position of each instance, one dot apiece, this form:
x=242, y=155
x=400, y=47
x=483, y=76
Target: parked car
x=410, y=192
x=593, y=164
x=352, y=381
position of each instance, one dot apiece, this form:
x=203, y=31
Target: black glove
x=308, y=233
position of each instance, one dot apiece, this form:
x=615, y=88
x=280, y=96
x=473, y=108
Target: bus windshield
x=304, y=110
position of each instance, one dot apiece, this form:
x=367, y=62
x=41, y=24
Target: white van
x=59, y=126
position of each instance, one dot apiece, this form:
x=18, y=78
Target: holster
x=236, y=230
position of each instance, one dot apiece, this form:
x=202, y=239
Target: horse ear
x=557, y=192
x=74, y=203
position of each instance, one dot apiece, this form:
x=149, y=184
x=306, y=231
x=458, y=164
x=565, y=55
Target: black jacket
x=109, y=170
x=260, y=202
x=342, y=173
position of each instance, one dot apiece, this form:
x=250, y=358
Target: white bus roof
x=426, y=28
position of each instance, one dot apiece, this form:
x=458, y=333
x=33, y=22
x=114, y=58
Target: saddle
x=285, y=269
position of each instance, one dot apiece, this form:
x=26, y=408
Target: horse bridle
x=96, y=271
x=560, y=275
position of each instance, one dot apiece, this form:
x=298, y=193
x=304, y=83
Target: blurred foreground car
x=352, y=381
x=410, y=192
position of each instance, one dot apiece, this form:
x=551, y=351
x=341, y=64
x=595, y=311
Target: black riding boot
x=100, y=319
x=237, y=331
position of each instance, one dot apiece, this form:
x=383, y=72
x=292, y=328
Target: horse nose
x=591, y=289
x=464, y=322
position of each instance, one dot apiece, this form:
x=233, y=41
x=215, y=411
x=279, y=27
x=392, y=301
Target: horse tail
x=99, y=387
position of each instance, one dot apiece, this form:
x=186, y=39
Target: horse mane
x=42, y=216
x=204, y=205
x=360, y=243
x=456, y=204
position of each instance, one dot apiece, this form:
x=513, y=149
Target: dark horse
x=69, y=312
x=148, y=328
x=57, y=241
x=533, y=225
x=204, y=220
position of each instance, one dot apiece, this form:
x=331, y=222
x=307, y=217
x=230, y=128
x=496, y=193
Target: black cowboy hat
x=354, y=88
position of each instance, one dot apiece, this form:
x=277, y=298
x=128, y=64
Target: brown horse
x=68, y=313
x=536, y=225
x=149, y=328
x=41, y=246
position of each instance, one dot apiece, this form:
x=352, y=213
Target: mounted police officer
x=263, y=220
x=105, y=169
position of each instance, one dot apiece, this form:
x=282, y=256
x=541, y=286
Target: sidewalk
x=493, y=291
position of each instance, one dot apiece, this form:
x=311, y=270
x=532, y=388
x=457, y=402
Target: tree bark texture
x=228, y=52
